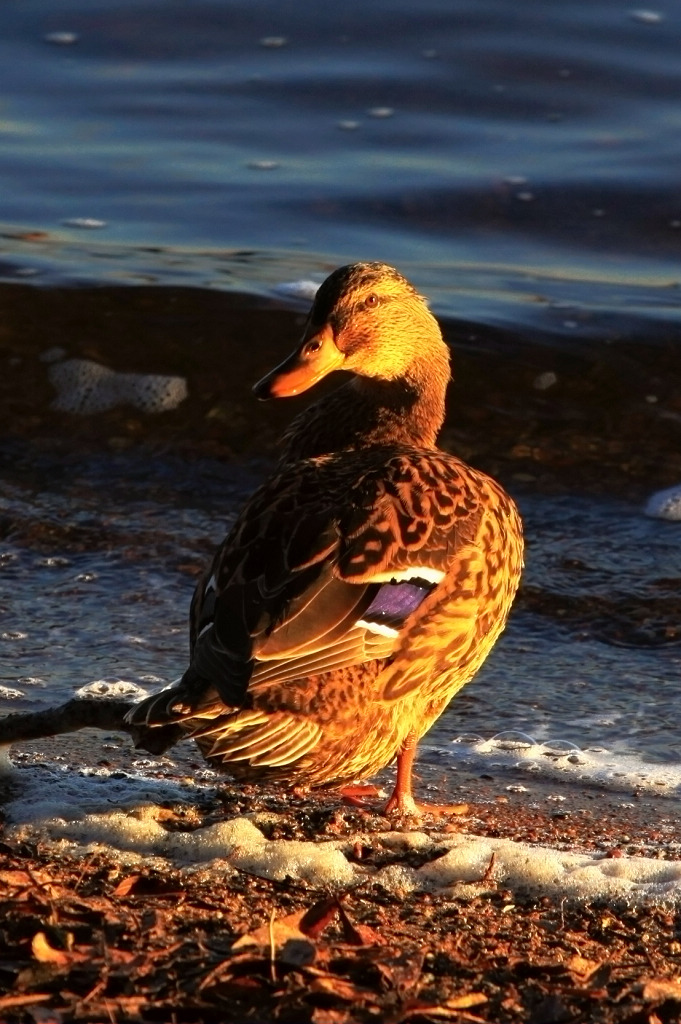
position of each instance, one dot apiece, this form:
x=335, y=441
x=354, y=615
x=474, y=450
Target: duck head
x=368, y=319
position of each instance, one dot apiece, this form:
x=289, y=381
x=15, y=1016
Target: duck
x=365, y=581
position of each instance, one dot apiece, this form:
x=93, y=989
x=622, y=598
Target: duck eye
x=313, y=346
x=371, y=301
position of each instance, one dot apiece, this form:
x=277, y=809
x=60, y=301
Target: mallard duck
x=366, y=581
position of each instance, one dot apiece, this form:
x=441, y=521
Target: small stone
x=544, y=381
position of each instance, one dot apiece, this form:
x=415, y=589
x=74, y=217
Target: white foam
x=54, y=800
x=303, y=289
x=84, y=387
x=61, y=38
x=85, y=223
x=9, y=693
x=524, y=867
x=111, y=689
x=546, y=380
x=646, y=16
x=6, y=765
x=665, y=504
x=518, y=753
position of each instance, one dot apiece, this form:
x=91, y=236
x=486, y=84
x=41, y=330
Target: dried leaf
x=326, y=1016
x=18, y=878
x=656, y=990
x=283, y=928
x=465, y=1002
x=449, y=1010
x=44, y=1015
x=582, y=967
x=291, y=945
x=357, y=934
x=320, y=915
x=340, y=988
x=45, y=953
x=402, y=971
x=126, y=885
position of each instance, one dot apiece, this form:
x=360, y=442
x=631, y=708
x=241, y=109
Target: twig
x=8, y=1002
x=273, y=949
x=489, y=870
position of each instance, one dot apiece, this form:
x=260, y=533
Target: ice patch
x=665, y=504
x=84, y=386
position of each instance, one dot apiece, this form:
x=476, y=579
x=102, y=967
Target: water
x=519, y=140
x=167, y=170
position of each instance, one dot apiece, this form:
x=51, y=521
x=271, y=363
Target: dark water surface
x=505, y=155
x=167, y=170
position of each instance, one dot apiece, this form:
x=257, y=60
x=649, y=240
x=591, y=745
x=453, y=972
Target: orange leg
x=402, y=798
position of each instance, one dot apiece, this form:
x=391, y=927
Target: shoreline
x=102, y=934
x=557, y=416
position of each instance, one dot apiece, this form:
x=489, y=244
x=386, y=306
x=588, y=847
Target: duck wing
x=272, y=607
x=312, y=576
x=429, y=516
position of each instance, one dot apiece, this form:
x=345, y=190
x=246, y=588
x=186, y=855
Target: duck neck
x=367, y=412
x=400, y=410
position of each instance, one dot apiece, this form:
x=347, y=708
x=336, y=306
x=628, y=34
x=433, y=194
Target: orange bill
x=316, y=357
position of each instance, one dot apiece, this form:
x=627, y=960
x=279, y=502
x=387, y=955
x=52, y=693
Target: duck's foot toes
x=400, y=805
x=358, y=795
x=444, y=810
x=407, y=806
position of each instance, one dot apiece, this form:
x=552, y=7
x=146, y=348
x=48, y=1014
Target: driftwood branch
x=86, y=713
